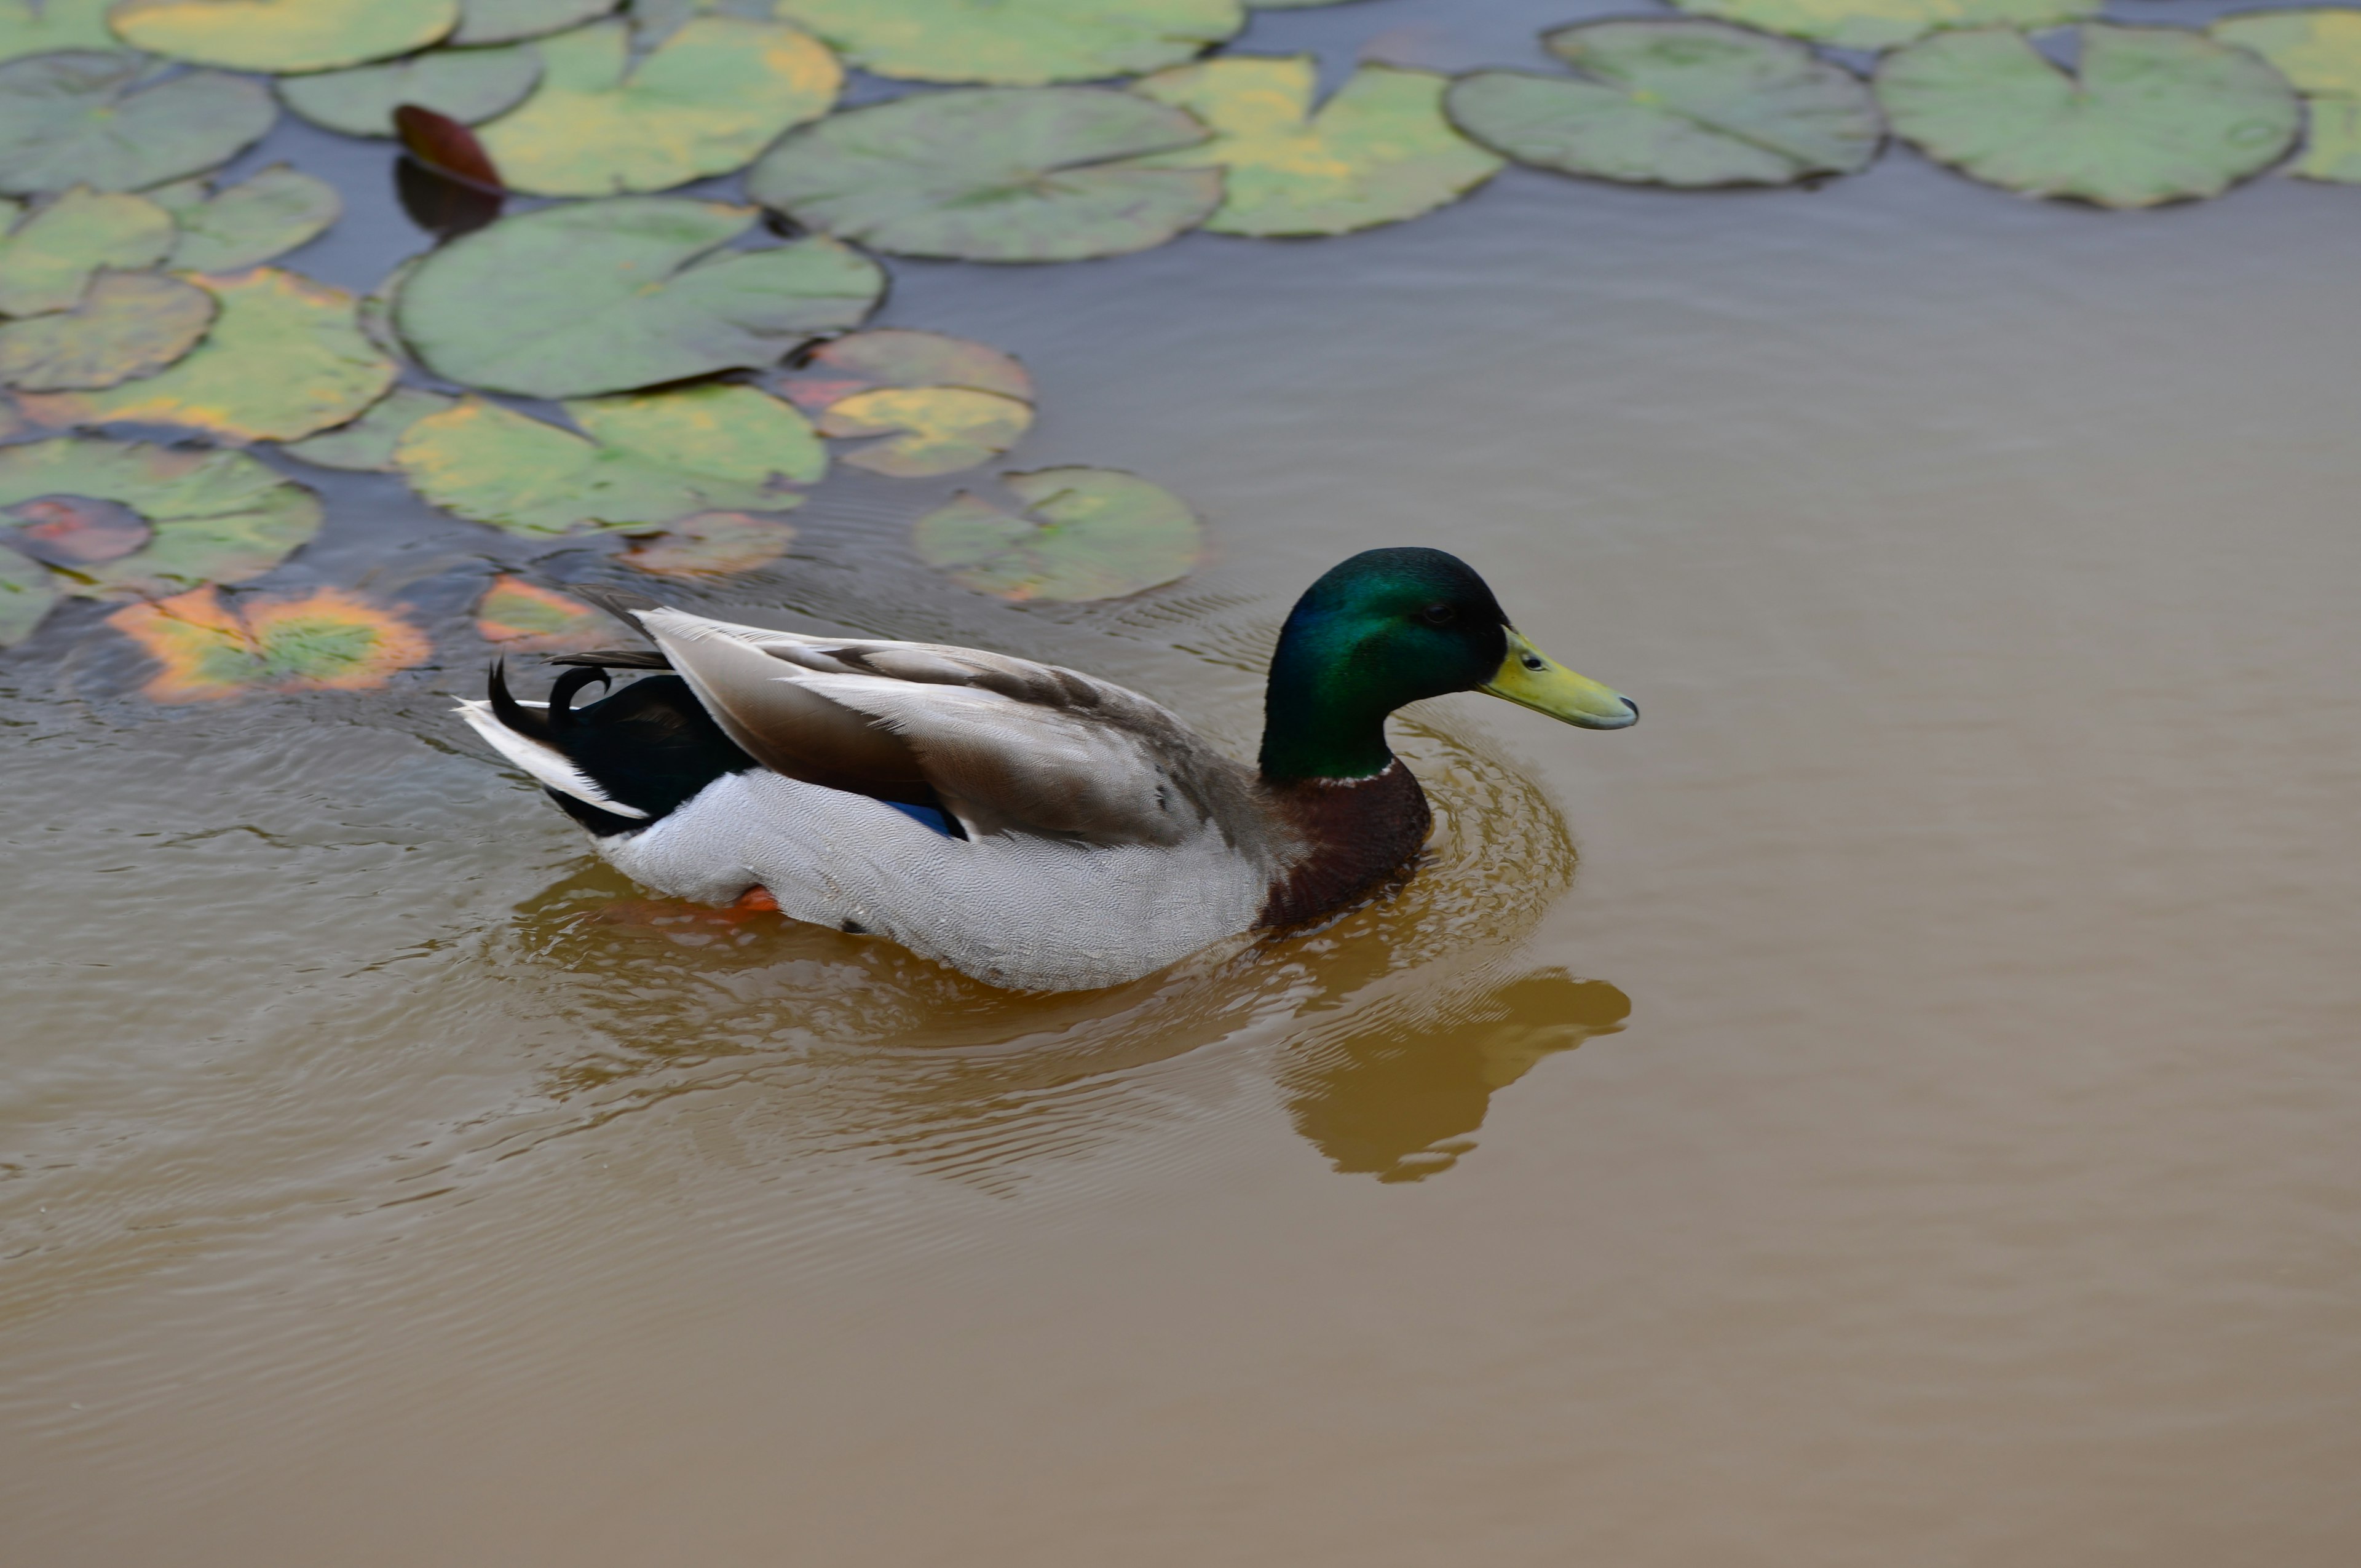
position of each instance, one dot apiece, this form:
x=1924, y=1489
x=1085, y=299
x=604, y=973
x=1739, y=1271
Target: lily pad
x=525, y=618
x=504, y=21
x=469, y=85
x=2320, y=52
x=1377, y=153
x=216, y=516
x=47, y=26
x=282, y=35
x=898, y=357
x=994, y=174
x=711, y=545
x=603, y=296
x=711, y=97
x=366, y=444
x=83, y=119
x=47, y=261
x=1016, y=43
x=1885, y=24
x=73, y=532
x=1676, y=102
x=130, y=323
x=646, y=459
x=264, y=215
x=325, y=641
x=27, y=593
x=284, y=358
x=2157, y=113
x=1086, y=533
x=929, y=430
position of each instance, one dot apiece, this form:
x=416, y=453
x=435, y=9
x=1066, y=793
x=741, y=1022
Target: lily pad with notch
x=282, y=35
x=1885, y=24
x=266, y=215
x=469, y=85
x=85, y=119
x=128, y=324
x=2319, y=52
x=47, y=260
x=367, y=444
x=328, y=640
x=1079, y=533
x=1016, y=43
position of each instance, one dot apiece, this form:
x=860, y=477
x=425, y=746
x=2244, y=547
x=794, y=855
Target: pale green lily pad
x=367, y=444
x=47, y=261
x=284, y=359
x=647, y=459
x=1377, y=153
x=2157, y=113
x=327, y=640
x=711, y=97
x=33, y=26
x=711, y=545
x=82, y=119
x=1883, y=24
x=605, y=296
x=264, y=215
x=2320, y=52
x=1016, y=43
x=469, y=85
x=1676, y=102
x=27, y=593
x=505, y=21
x=282, y=35
x=218, y=517
x=130, y=323
x=1086, y=533
x=993, y=174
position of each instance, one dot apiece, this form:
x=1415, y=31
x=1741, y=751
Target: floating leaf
x=932, y=430
x=467, y=84
x=47, y=26
x=1016, y=43
x=367, y=444
x=76, y=119
x=648, y=459
x=216, y=516
x=284, y=358
x=2158, y=114
x=130, y=323
x=265, y=216
x=1377, y=153
x=1087, y=533
x=326, y=640
x=711, y=543
x=993, y=174
x=716, y=93
x=1676, y=102
x=73, y=532
x=503, y=21
x=601, y=296
x=47, y=262
x=1883, y=24
x=525, y=618
x=374, y=314
x=282, y=35
x=898, y=357
x=28, y=591
x=2320, y=52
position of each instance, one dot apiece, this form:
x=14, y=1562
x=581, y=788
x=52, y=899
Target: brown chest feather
x=1352, y=835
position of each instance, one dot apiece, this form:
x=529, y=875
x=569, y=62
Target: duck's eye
x=1438, y=615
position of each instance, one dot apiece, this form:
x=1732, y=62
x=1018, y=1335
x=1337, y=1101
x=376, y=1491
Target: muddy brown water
x=1897, y=1104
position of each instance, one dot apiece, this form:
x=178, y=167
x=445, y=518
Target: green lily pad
x=1676, y=102
x=898, y=357
x=1377, y=153
x=284, y=359
x=1086, y=533
x=993, y=174
x=82, y=119
x=2320, y=52
x=27, y=593
x=216, y=516
x=525, y=618
x=604, y=296
x=928, y=430
x=2157, y=114
x=130, y=323
x=327, y=640
x=647, y=459
x=47, y=261
x=1885, y=24
x=367, y=444
x=711, y=545
x=470, y=85
x=282, y=35
x=264, y=215
x=505, y=21
x=1016, y=43
x=47, y=26
x=711, y=97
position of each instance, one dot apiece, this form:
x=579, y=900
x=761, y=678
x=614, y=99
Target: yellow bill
x=1530, y=678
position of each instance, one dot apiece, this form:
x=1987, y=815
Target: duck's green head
x=1389, y=627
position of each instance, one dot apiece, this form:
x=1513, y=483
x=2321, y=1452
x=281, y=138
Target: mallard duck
x=1027, y=825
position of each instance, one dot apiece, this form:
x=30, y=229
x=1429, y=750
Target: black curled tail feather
x=649, y=745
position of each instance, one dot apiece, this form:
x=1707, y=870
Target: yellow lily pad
x=325, y=641
x=1885, y=24
x=469, y=85
x=47, y=27
x=85, y=119
x=284, y=359
x=711, y=545
x=282, y=35
x=707, y=101
x=1016, y=43
x=645, y=459
x=47, y=261
x=130, y=323
x=366, y=444
x=505, y=21
x=899, y=356
x=266, y=215
x=929, y=430
x=1377, y=153
x=525, y=618
x=2319, y=52
x=1083, y=533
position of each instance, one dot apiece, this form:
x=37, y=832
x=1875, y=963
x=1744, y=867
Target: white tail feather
x=543, y=760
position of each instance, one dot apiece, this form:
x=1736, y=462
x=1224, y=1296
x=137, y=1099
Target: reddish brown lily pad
x=712, y=544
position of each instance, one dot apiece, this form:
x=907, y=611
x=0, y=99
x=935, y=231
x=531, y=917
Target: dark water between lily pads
x=1896, y=1105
